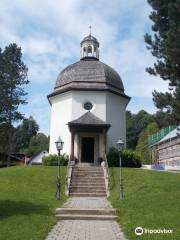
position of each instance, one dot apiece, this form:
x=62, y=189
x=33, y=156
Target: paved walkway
x=86, y=229
x=87, y=202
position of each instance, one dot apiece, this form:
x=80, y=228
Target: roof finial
x=90, y=30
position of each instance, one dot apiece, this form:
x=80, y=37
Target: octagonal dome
x=89, y=74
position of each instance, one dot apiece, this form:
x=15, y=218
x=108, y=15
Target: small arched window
x=84, y=49
x=89, y=49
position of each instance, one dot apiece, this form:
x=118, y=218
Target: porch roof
x=88, y=121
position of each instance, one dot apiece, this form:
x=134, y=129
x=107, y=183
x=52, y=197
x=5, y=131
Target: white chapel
x=88, y=107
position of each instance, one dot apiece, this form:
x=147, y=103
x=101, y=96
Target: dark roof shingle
x=88, y=119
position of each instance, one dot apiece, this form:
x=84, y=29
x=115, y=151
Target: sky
x=49, y=33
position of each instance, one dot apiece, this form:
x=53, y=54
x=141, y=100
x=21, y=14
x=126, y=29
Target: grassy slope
x=27, y=202
x=152, y=200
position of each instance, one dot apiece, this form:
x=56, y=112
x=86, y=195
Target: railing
x=106, y=175
x=68, y=176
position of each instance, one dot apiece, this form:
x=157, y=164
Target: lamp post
x=120, y=146
x=59, y=146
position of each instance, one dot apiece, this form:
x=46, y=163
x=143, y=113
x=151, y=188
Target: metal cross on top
x=90, y=30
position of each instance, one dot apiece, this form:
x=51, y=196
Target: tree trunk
x=9, y=141
x=9, y=147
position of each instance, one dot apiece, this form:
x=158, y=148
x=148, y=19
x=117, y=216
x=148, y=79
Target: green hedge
x=129, y=158
x=52, y=160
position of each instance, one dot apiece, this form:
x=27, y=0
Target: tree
x=162, y=119
x=13, y=75
x=165, y=46
x=24, y=132
x=136, y=123
x=37, y=144
x=142, y=146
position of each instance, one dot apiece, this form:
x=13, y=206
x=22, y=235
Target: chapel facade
x=88, y=107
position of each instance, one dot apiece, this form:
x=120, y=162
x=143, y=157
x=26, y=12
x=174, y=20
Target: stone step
x=81, y=211
x=97, y=191
x=87, y=174
x=87, y=188
x=85, y=217
x=82, y=184
x=91, y=182
x=87, y=178
x=83, y=164
x=87, y=170
x=84, y=194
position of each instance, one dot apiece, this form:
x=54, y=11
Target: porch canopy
x=88, y=123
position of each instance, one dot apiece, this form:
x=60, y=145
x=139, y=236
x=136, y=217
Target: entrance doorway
x=87, y=150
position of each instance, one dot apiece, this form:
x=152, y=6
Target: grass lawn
x=152, y=201
x=27, y=201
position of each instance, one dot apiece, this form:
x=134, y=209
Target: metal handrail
x=68, y=176
x=107, y=167
x=106, y=175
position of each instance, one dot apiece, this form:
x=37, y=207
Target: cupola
x=89, y=47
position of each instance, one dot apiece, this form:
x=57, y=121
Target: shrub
x=52, y=160
x=113, y=157
x=129, y=158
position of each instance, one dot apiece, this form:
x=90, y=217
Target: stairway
x=87, y=181
x=88, y=196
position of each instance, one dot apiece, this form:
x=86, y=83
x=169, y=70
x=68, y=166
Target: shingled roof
x=88, y=123
x=89, y=119
x=89, y=70
x=89, y=74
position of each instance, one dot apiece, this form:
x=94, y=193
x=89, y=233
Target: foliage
x=37, y=144
x=136, y=123
x=28, y=202
x=24, y=132
x=165, y=46
x=151, y=201
x=129, y=158
x=4, y=128
x=13, y=75
x=113, y=157
x=142, y=146
x=162, y=119
x=52, y=160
